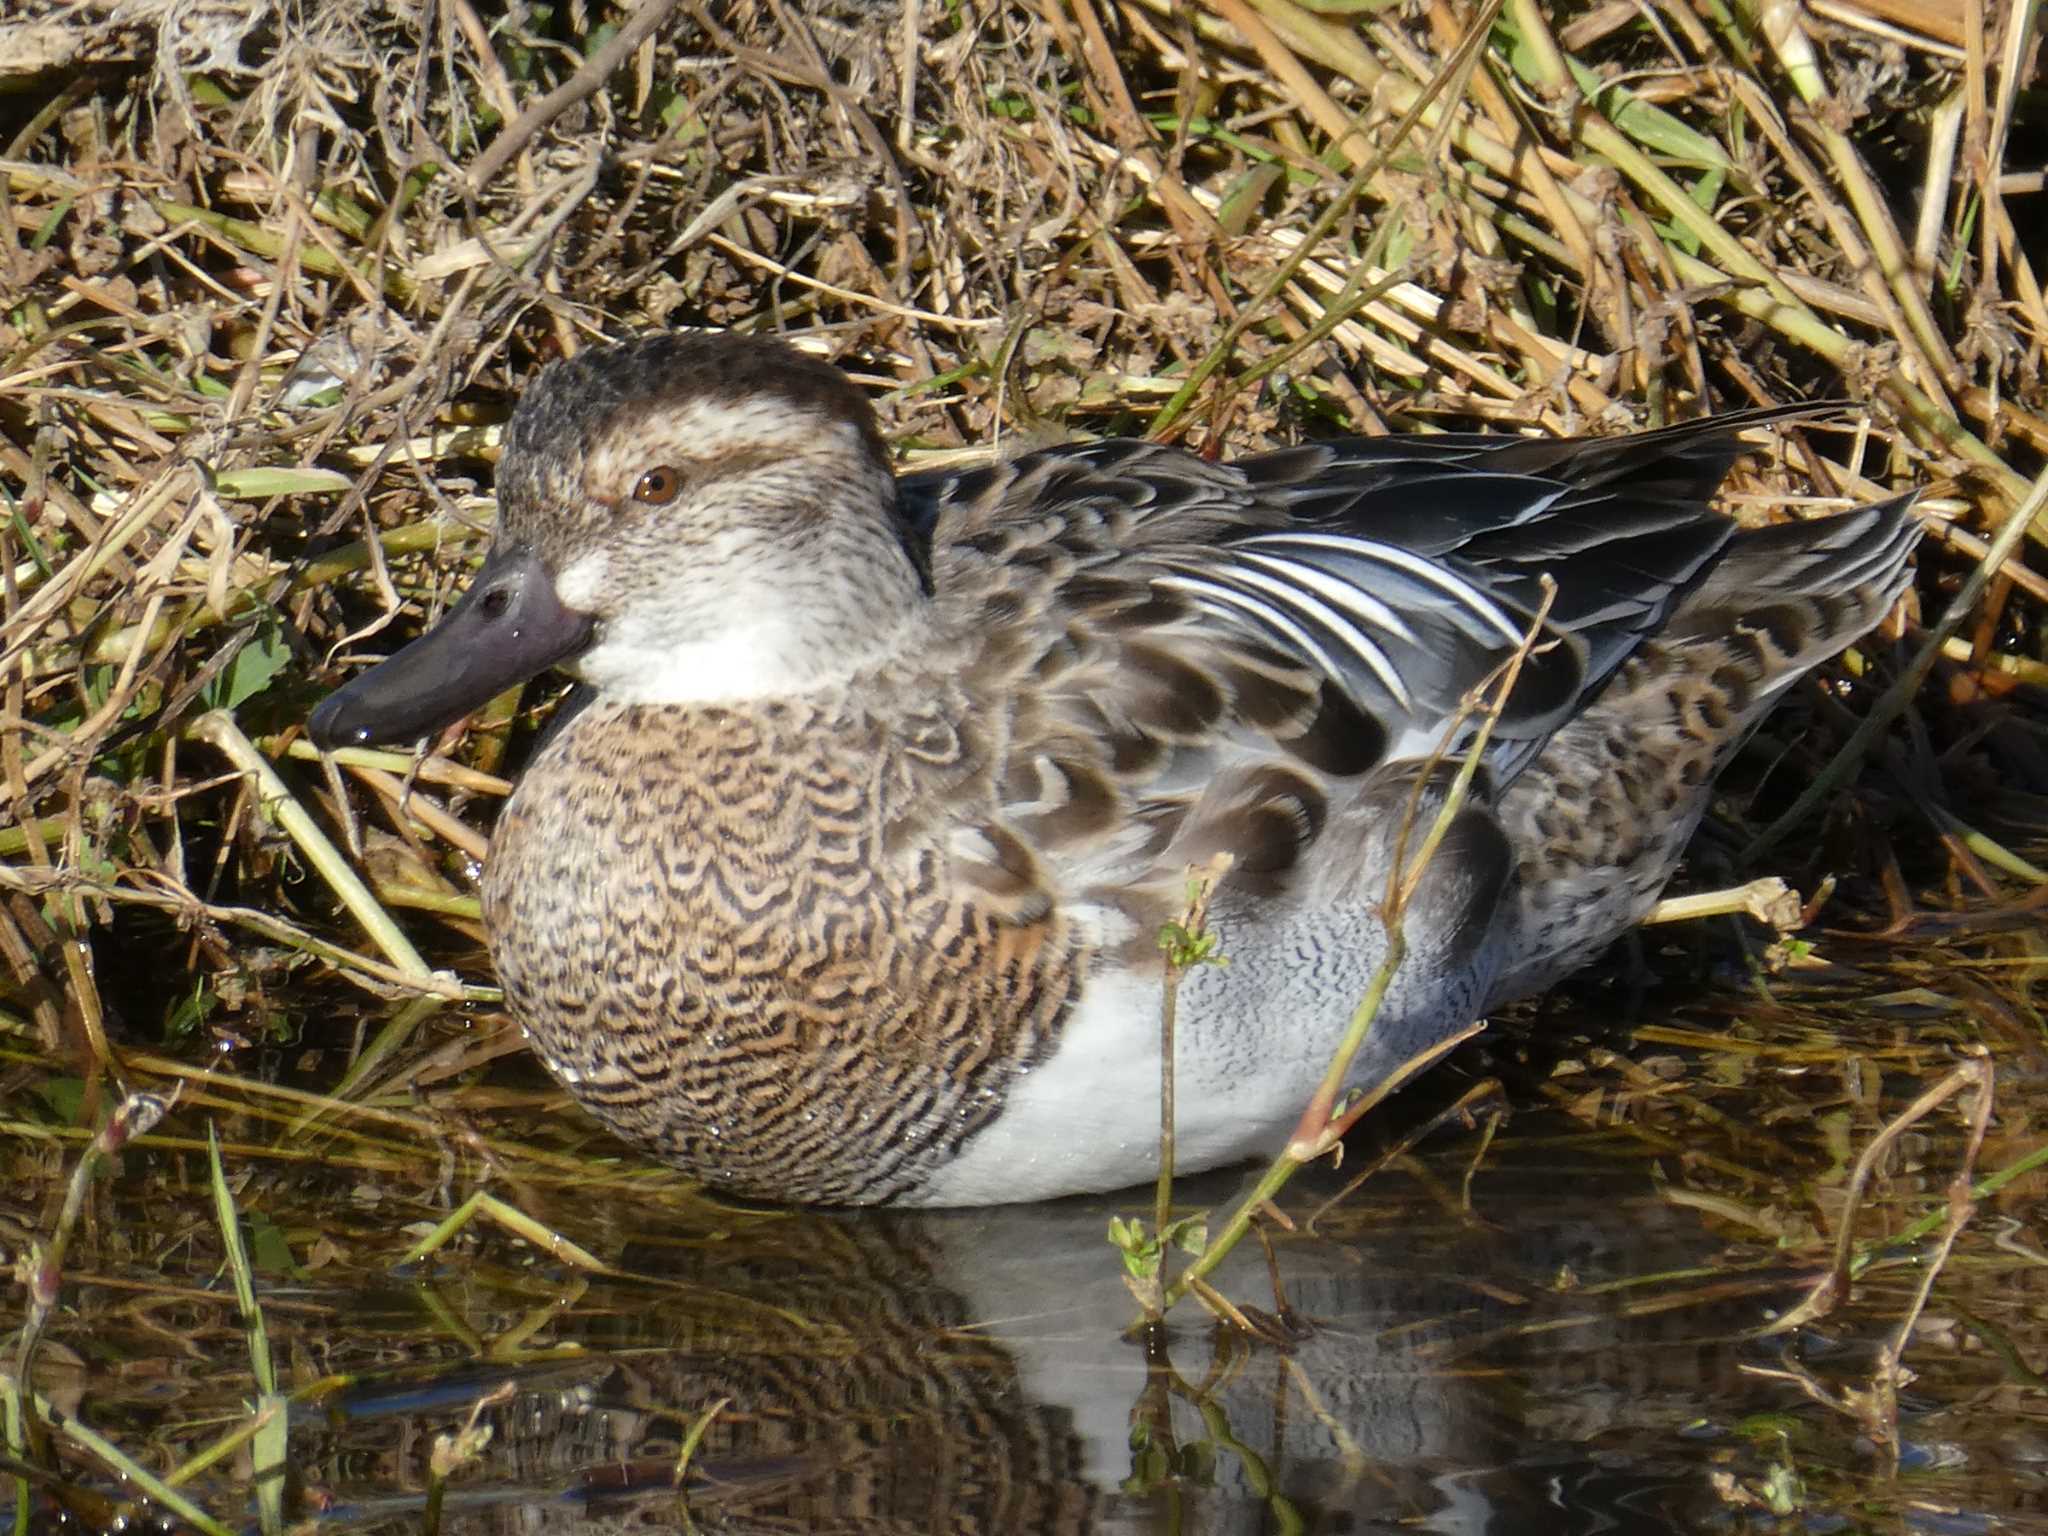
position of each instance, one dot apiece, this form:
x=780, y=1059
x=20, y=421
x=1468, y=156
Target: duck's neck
x=786, y=622
x=770, y=657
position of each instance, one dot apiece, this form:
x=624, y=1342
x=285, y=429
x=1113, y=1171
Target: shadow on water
x=1552, y=1321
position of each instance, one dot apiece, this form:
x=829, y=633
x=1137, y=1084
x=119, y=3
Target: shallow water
x=1552, y=1321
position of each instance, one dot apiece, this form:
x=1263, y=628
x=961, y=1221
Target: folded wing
x=1205, y=655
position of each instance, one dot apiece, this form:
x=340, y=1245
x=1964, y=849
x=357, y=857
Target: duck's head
x=681, y=519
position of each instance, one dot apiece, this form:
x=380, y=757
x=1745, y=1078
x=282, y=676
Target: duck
x=844, y=881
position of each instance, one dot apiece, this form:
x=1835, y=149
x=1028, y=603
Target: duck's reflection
x=977, y=1371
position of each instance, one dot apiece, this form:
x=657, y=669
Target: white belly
x=1253, y=1040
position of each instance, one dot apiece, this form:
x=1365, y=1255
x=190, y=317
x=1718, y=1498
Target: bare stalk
x=218, y=729
x=1188, y=944
x=43, y=1268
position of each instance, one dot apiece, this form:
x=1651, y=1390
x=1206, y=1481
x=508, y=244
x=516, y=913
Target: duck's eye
x=658, y=487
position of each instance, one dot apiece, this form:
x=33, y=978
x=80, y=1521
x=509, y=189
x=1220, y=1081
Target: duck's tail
x=1603, y=814
x=1787, y=597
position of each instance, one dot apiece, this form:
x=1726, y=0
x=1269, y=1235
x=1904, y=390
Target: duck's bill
x=509, y=627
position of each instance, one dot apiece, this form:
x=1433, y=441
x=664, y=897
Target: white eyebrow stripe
x=1464, y=592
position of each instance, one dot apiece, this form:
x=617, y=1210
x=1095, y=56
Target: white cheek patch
x=579, y=583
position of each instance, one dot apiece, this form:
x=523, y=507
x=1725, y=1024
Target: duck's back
x=1178, y=657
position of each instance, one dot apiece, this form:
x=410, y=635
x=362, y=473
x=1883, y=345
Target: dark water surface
x=1552, y=1323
